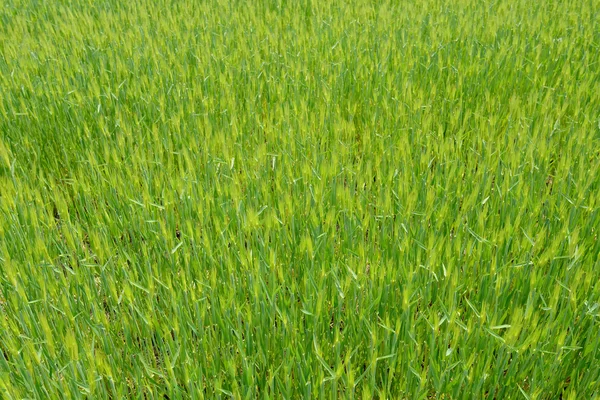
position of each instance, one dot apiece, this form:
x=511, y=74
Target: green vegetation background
x=271, y=199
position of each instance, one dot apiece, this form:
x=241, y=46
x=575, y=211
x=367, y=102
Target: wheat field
x=308, y=199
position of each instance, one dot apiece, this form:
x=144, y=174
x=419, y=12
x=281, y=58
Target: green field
x=299, y=199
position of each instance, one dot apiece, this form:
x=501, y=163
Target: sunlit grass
x=313, y=199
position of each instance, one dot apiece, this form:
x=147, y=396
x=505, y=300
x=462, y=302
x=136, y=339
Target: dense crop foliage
x=313, y=199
